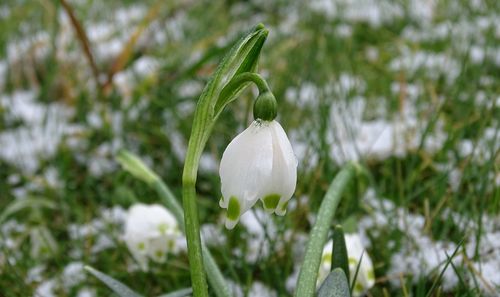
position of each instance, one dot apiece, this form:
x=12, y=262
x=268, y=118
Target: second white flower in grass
x=258, y=164
x=151, y=232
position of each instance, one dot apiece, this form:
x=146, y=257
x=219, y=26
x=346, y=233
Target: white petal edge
x=284, y=171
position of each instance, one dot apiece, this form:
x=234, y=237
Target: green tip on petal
x=233, y=209
x=271, y=202
x=358, y=288
x=370, y=275
x=233, y=212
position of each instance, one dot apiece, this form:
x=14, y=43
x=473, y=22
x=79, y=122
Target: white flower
x=258, y=164
x=365, y=278
x=151, y=232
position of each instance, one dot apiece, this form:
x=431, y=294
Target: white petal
x=138, y=247
x=365, y=274
x=245, y=167
x=284, y=171
x=325, y=264
x=158, y=248
x=247, y=162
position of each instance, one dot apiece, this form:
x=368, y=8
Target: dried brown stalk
x=83, y=39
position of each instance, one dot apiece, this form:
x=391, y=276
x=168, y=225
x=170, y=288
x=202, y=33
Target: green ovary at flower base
x=258, y=164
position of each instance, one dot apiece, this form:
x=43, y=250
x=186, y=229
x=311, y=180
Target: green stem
x=242, y=78
x=242, y=58
x=306, y=285
x=215, y=277
x=192, y=229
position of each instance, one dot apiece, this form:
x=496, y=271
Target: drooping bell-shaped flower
x=151, y=232
x=355, y=249
x=258, y=164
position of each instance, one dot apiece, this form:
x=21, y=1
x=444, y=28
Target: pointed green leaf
x=119, y=288
x=340, y=258
x=243, y=57
x=335, y=285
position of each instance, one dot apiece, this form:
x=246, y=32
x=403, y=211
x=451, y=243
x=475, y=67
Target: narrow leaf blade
x=340, y=258
x=119, y=288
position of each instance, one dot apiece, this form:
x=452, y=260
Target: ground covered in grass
x=410, y=89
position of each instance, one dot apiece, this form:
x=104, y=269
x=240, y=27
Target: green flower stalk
x=233, y=74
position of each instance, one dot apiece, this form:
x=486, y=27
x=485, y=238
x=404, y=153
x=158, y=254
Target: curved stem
x=242, y=78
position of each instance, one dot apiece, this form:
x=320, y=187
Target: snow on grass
x=420, y=255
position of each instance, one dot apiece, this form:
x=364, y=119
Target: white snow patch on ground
x=354, y=138
x=420, y=256
x=43, y=129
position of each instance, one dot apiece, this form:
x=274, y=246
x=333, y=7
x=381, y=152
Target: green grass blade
x=340, y=258
x=355, y=277
x=448, y=261
x=119, y=288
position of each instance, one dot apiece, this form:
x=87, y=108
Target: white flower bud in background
x=365, y=278
x=258, y=164
x=151, y=232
